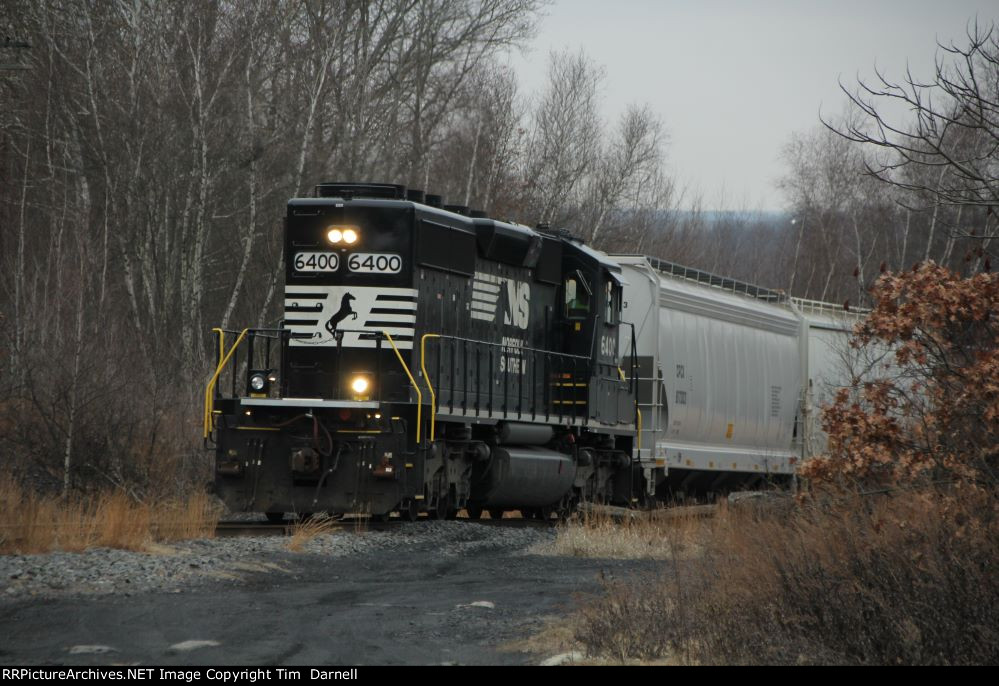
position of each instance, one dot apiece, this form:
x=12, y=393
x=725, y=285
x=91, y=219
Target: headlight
x=359, y=385
x=258, y=382
x=342, y=233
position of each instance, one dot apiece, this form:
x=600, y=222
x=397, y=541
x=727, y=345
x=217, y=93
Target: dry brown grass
x=661, y=534
x=907, y=579
x=33, y=523
x=194, y=517
x=308, y=529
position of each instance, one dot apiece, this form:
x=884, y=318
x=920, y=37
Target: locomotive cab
x=591, y=327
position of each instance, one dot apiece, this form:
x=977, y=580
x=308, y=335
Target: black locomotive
x=430, y=359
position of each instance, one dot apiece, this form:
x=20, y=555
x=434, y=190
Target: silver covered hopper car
x=732, y=377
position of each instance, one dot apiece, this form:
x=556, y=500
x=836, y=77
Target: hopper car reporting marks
x=432, y=359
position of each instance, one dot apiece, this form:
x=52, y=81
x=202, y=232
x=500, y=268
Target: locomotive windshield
x=577, y=296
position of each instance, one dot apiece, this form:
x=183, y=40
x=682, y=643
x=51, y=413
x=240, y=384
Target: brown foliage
x=906, y=579
x=931, y=412
x=33, y=523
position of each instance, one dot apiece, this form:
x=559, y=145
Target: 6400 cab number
x=375, y=263
x=317, y=262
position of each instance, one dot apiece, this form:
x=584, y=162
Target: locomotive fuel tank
x=522, y=476
x=516, y=433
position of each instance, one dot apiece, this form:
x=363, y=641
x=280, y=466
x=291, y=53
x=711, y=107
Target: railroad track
x=233, y=529
x=360, y=523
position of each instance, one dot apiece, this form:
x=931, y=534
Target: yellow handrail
x=419, y=395
x=433, y=396
x=221, y=333
x=209, y=399
x=221, y=337
x=639, y=413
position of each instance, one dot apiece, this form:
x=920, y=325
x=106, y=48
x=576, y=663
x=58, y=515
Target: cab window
x=577, y=296
x=612, y=300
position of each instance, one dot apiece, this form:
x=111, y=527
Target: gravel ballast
x=178, y=567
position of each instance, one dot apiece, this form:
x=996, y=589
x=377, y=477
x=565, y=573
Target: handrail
x=638, y=414
x=821, y=307
x=724, y=283
x=523, y=353
x=209, y=400
x=419, y=395
x=638, y=433
x=433, y=396
x=502, y=345
x=221, y=335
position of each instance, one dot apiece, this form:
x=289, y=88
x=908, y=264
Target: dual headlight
x=342, y=234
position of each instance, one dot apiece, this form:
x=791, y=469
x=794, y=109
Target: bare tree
x=628, y=168
x=566, y=129
x=478, y=150
x=147, y=151
x=946, y=156
x=842, y=219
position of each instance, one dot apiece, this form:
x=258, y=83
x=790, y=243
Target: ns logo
x=518, y=304
x=494, y=295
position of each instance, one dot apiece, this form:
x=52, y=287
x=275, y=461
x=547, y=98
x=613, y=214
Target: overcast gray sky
x=732, y=80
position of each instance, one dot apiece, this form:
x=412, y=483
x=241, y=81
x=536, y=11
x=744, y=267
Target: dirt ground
x=397, y=605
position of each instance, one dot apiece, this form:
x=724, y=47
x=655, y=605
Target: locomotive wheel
x=410, y=510
x=274, y=517
x=380, y=518
x=443, y=507
x=496, y=514
x=474, y=511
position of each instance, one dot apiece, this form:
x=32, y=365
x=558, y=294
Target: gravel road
x=423, y=593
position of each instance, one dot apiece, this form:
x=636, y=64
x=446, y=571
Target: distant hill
x=737, y=216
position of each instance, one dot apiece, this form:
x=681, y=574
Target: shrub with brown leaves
x=932, y=412
x=903, y=578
